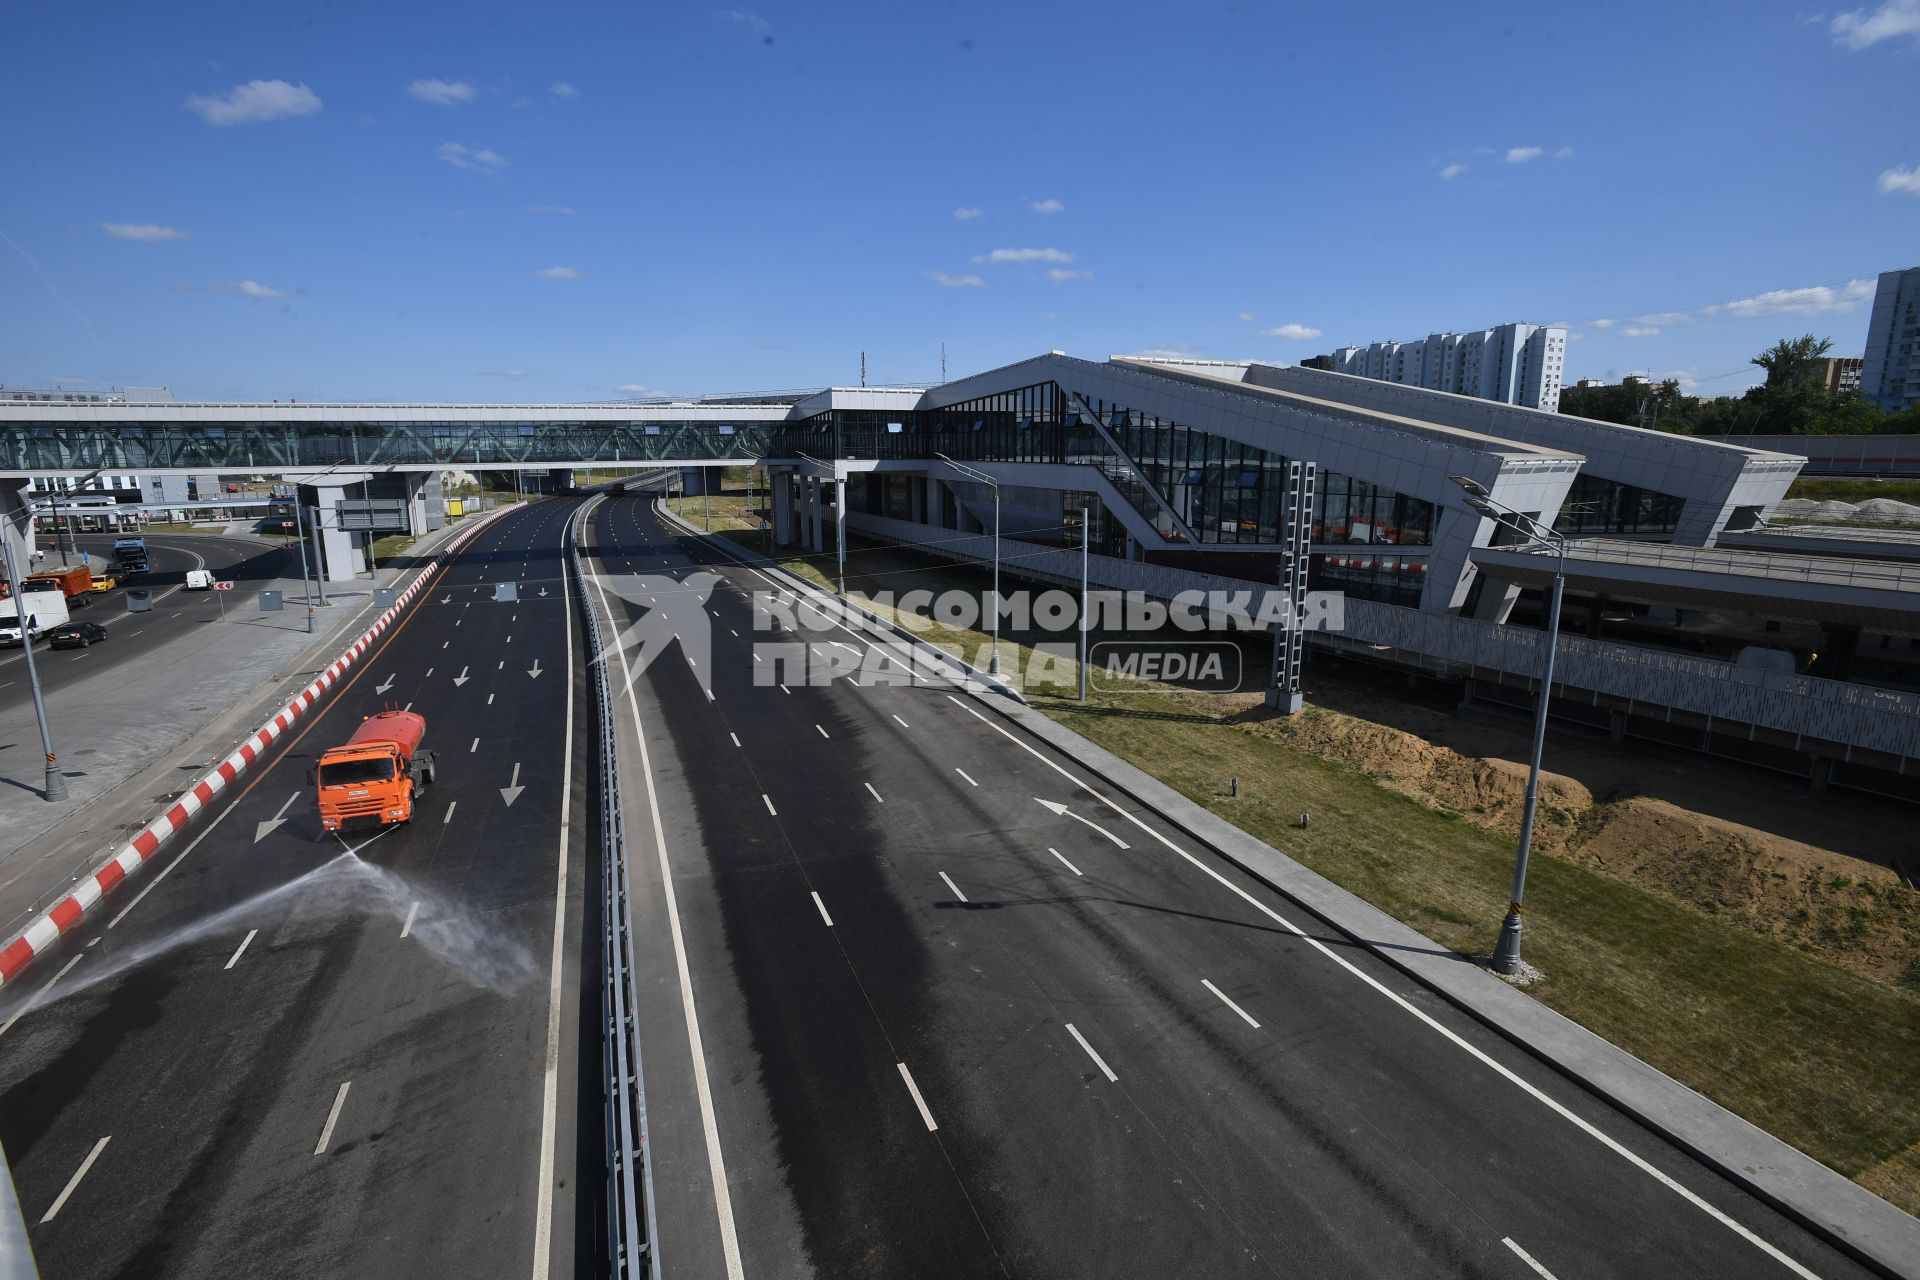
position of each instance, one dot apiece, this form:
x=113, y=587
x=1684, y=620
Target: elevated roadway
x=268, y=1056
x=919, y=997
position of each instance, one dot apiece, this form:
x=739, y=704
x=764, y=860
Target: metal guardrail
x=629, y=1234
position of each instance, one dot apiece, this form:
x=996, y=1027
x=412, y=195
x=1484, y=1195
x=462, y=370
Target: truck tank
x=404, y=729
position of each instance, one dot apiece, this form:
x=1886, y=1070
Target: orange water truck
x=377, y=774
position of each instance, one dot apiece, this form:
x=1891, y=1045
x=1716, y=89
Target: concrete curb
x=66, y=915
x=1846, y=1215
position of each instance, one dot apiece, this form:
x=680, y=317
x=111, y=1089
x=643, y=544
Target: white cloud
x=969, y=213
x=146, y=231
x=946, y=281
x=442, y=93
x=1604, y=324
x=1898, y=179
x=1291, y=332
x=1664, y=317
x=1814, y=300
x=1893, y=19
x=559, y=273
x=479, y=160
x=1025, y=255
x=1564, y=153
x=561, y=89
x=1641, y=331
x=254, y=102
x=1520, y=155
x=744, y=18
x=1060, y=275
x=503, y=373
x=1453, y=171
x=1049, y=205
x=548, y=208
x=250, y=289
x=1245, y=317
x=637, y=389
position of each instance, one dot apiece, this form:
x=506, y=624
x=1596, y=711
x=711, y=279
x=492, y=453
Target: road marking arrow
x=1055, y=807
x=534, y=670
x=511, y=792
x=461, y=678
x=543, y=591
x=261, y=830
x=446, y=599
x=382, y=688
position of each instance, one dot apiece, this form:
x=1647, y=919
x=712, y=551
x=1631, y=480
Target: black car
x=75, y=635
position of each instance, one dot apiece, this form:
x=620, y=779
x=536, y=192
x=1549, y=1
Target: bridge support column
x=426, y=503
x=816, y=514
x=16, y=523
x=342, y=554
x=780, y=486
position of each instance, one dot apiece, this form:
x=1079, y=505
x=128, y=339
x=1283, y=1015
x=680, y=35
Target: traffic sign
x=223, y=586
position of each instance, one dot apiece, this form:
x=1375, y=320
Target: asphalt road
x=270, y=1057
x=900, y=1018
x=249, y=562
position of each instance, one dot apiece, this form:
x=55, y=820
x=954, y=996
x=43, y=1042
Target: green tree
x=1794, y=362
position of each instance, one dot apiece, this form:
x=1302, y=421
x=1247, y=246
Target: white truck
x=45, y=609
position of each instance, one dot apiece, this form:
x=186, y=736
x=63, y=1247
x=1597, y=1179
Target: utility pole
x=943, y=363
x=1086, y=618
x=56, y=785
x=863, y=368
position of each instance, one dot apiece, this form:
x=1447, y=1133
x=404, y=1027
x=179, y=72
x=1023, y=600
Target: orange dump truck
x=376, y=774
x=76, y=584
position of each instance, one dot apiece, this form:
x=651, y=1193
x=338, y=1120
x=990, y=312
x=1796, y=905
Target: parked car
x=105, y=582
x=75, y=635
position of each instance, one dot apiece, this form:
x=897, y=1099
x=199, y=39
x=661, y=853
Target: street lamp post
x=1086, y=616
x=56, y=785
x=1506, y=952
x=993, y=664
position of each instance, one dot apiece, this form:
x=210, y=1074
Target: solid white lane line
x=953, y=887
x=1228, y=1001
x=1526, y=1257
x=870, y=791
x=234, y=959
x=1063, y=861
x=475, y=747
x=407, y=927
x=963, y=773
x=1098, y=1061
x=823, y=732
x=38, y=996
x=903, y=723
x=823, y=909
x=735, y=737
x=550, y=1074
x=448, y=816
x=918, y=1101
x=74, y=1181
x=1427, y=1019
x=333, y=1118
x=768, y=801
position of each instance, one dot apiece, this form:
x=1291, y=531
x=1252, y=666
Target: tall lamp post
x=993, y=664
x=1506, y=952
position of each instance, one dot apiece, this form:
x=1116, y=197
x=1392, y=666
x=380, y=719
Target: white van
x=199, y=580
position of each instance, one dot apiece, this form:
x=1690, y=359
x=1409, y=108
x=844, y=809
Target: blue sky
x=522, y=202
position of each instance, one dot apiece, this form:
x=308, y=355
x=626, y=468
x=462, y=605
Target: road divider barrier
x=67, y=914
x=628, y=1221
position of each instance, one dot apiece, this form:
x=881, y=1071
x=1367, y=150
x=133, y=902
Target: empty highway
x=902, y=1015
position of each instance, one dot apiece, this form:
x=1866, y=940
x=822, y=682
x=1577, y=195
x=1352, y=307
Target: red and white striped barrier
x=66, y=915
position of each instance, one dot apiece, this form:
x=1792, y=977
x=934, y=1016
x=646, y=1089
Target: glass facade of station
x=1606, y=507
x=1192, y=486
